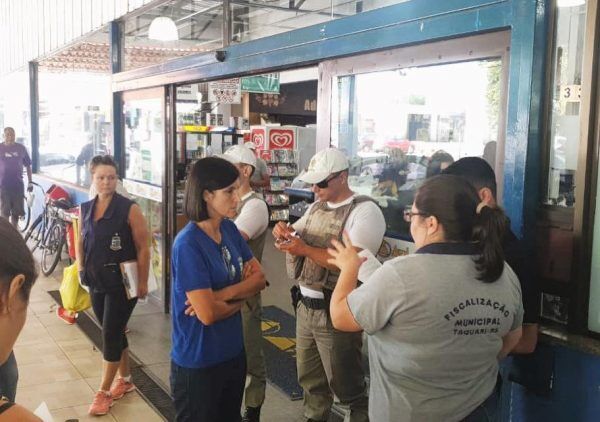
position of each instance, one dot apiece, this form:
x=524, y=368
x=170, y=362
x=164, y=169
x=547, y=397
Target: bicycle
x=29, y=199
x=48, y=231
x=56, y=239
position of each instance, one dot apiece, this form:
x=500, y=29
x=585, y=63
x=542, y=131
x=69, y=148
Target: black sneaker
x=251, y=414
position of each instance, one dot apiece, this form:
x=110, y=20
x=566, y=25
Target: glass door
x=144, y=172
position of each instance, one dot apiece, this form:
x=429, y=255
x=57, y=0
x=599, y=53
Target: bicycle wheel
x=33, y=237
x=52, y=248
x=24, y=220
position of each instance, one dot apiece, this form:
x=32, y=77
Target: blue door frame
x=408, y=23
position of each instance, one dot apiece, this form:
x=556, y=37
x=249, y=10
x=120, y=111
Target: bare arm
x=341, y=316
x=528, y=340
x=208, y=309
x=296, y=246
x=253, y=281
x=344, y=256
x=509, y=341
x=29, y=176
x=18, y=413
x=139, y=230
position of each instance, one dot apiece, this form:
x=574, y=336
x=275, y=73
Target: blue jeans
x=9, y=375
x=486, y=411
x=212, y=394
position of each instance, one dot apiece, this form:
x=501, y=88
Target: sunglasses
x=324, y=184
x=408, y=215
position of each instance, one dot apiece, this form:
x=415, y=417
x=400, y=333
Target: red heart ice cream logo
x=281, y=139
x=258, y=139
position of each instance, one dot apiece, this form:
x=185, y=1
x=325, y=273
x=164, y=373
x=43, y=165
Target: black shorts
x=12, y=202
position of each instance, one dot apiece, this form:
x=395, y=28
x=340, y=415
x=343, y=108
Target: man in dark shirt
x=482, y=177
x=13, y=157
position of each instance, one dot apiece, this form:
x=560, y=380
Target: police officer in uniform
x=113, y=230
x=329, y=361
x=252, y=221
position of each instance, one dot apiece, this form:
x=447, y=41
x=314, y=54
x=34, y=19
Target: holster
x=296, y=296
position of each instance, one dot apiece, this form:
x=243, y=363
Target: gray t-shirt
x=435, y=332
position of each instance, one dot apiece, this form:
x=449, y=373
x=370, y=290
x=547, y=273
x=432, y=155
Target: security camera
x=220, y=55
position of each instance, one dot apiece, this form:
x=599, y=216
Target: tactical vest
x=106, y=243
x=258, y=244
x=323, y=224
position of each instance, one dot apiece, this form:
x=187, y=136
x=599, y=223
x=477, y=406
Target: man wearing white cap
x=252, y=221
x=329, y=361
x=260, y=178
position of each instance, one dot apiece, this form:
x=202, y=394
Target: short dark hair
x=476, y=170
x=435, y=163
x=454, y=202
x=15, y=259
x=207, y=174
x=102, y=160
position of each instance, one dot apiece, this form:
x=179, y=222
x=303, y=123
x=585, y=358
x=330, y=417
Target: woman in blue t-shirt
x=213, y=272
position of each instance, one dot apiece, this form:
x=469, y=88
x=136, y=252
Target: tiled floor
x=59, y=365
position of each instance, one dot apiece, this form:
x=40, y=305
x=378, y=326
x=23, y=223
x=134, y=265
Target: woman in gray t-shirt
x=439, y=320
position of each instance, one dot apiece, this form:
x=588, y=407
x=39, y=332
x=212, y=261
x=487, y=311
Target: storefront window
x=14, y=105
x=75, y=122
x=144, y=169
x=257, y=19
x=173, y=29
x=402, y=126
x=566, y=103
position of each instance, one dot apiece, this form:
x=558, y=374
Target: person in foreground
x=113, y=231
x=213, y=273
x=439, y=320
x=17, y=276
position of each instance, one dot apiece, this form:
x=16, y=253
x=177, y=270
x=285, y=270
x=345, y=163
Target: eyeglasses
x=408, y=215
x=324, y=184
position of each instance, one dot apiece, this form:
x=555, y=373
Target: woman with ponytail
x=439, y=320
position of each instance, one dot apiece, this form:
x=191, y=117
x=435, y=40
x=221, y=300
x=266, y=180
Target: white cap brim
x=313, y=177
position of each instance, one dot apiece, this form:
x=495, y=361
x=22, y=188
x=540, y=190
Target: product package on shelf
x=280, y=214
x=283, y=156
x=279, y=184
x=277, y=199
x=277, y=145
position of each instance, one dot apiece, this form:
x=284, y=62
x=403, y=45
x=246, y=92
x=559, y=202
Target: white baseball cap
x=250, y=145
x=324, y=163
x=240, y=154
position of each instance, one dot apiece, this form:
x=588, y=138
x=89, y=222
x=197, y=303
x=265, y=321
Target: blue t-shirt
x=200, y=263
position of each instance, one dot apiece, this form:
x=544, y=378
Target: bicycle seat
x=62, y=203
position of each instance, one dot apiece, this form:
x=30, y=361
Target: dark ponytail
x=454, y=202
x=489, y=229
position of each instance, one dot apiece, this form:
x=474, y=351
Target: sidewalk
x=58, y=364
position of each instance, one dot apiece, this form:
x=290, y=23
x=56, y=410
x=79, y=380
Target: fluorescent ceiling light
x=570, y=3
x=163, y=28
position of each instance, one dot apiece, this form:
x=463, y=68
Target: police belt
x=314, y=303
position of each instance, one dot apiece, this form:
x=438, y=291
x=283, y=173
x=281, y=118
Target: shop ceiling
x=200, y=27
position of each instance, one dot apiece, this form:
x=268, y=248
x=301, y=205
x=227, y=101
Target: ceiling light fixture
x=163, y=28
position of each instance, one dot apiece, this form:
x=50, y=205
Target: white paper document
x=43, y=412
x=369, y=266
x=129, y=269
